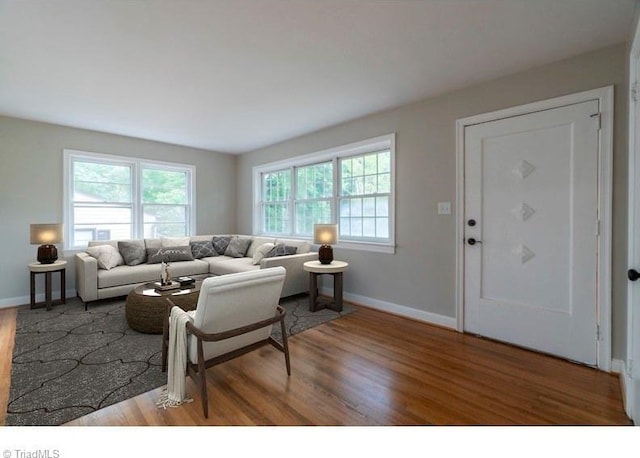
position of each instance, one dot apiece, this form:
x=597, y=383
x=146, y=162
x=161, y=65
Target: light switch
x=444, y=208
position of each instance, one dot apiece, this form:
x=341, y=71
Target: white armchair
x=234, y=315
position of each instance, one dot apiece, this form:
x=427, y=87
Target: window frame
x=137, y=166
x=372, y=145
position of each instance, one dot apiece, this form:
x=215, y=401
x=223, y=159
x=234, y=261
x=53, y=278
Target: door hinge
x=634, y=91
x=598, y=332
x=598, y=228
x=598, y=118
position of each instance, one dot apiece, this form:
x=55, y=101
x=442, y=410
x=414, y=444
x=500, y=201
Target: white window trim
x=137, y=164
x=362, y=147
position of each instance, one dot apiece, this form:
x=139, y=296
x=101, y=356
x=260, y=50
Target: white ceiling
x=236, y=75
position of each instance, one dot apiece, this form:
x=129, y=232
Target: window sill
x=373, y=247
x=367, y=246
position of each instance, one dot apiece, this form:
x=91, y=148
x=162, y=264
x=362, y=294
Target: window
x=351, y=185
x=115, y=198
x=365, y=193
x=314, y=196
x=277, y=193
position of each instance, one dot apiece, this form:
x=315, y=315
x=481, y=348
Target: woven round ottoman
x=145, y=307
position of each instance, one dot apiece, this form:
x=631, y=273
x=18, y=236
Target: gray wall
x=31, y=185
x=421, y=274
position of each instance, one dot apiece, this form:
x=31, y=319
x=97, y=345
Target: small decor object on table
x=46, y=235
x=186, y=281
x=325, y=235
x=166, y=283
x=165, y=278
x=169, y=286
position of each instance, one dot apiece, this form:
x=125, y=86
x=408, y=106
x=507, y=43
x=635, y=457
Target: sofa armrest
x=86, y=277
x=297, y=279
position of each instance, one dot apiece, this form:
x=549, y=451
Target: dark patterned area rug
x=68, y=363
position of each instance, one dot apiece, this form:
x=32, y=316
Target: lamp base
x=47, y=254
x=325, y=254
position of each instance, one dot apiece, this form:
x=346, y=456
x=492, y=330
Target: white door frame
x=604, y=96
x=630, y=376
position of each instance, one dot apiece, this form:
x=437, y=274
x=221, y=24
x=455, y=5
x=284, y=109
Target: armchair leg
x=165, y=351
x=202, y=376
x=165, y=335
x=285, y=345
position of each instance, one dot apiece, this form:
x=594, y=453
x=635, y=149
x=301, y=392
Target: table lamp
x=325, y=235
x=46, y=235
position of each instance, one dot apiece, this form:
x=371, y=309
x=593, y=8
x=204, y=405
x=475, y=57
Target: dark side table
x=315, y=268
x=48, y=269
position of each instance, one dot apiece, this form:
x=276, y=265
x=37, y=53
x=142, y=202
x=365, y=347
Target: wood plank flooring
x=7, y=333
x=372, y=368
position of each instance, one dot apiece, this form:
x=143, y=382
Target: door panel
x=531, y=183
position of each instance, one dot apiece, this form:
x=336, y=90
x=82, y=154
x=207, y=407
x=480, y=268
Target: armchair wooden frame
x=198, y=371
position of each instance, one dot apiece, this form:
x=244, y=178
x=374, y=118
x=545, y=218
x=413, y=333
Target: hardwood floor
x=7, y=333
x=372, y=368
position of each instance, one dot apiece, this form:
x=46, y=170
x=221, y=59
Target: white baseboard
x=630, y=390
x=617, y=366
x=22, y=300
x=409, y=312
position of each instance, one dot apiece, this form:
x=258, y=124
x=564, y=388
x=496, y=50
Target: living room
x=417, y=279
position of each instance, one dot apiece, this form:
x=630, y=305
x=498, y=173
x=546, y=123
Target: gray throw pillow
x=169, y=254
x=133, y=252
x=281, y=250
x=220, y=244
x=237, y=247
x=203, y=249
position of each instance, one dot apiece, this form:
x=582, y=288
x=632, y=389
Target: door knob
x=633, y=274
x=472, y=241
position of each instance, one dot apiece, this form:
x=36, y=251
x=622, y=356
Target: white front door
x=531, y=230
x=632, y=363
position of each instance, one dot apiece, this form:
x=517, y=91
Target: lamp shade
x=46, y=234
x=325, y=234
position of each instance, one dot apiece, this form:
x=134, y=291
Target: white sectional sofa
x=94, y=282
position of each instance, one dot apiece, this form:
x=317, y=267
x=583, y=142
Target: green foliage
x=112, y=183
x=164, y=186
x=102, y=182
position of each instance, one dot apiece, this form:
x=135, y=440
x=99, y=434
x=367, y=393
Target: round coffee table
x=145, y=307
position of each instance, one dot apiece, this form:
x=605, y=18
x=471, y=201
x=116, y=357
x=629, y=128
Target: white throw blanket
x=175, y=393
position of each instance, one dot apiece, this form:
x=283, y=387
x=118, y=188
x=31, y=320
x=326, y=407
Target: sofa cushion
x=113, y=243
x=107, y=256
x=202, y=249
x=261, y=251
x=201, y=238
x=281, y=250
x=143, y=273
x=302, y=245
x=257, y=242
x=152, y=243
x=169, y=254
x=223, y=266
x=220, y=243
x=170, y=242
x=237, y=247
x=188, y=268
x=133, y=252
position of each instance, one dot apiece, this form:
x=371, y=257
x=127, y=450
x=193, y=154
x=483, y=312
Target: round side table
x=336, y=269
x=47, y=270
